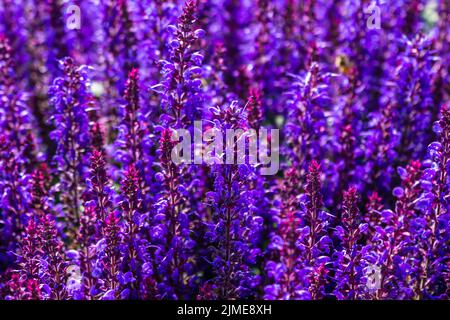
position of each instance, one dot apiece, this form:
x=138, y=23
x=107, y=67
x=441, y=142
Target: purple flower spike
x=70, y=100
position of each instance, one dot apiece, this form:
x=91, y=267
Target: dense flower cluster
x=92, y=206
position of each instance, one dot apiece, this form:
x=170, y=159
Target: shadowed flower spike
x=414, y=98
x=348, y=269
x=97, y=136
x=181, y=83
x=233, y=226
x=302, y=244
x=53, y=260
x=119, y=46
x=306, y=122
x=130, y=133
x=134, y=220
x=281, y=269
x=432, y=236
x=99, y=183
x=87, y=237
x=266, y=72
x=16, y=119
x=105, y=231
x=30, y=255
